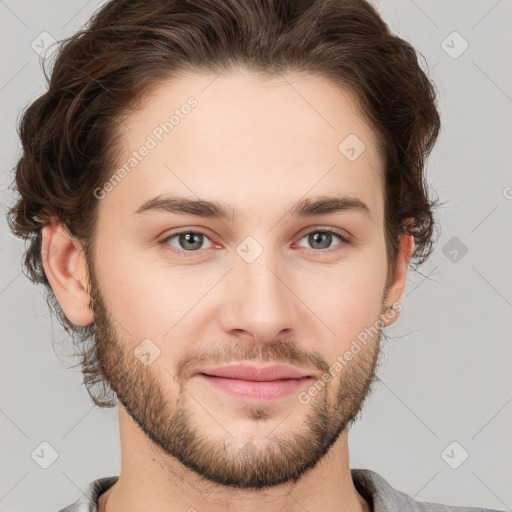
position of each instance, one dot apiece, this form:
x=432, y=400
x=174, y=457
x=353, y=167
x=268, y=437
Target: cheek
x=150, y=298
x=348, y=298
x=143, y=297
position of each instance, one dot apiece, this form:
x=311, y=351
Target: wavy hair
x=68, y=134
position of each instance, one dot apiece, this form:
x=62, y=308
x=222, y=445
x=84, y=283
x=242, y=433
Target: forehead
x=241, y=139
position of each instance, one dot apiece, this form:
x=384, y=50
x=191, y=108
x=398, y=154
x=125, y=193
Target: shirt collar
x=374, y=488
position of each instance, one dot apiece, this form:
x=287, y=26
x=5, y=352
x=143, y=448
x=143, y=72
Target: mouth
x=256, y=384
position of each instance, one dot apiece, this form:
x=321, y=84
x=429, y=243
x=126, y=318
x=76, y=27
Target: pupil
x=325, y=236
x=189, y=239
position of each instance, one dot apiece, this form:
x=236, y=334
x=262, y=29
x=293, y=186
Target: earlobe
x=64, y=264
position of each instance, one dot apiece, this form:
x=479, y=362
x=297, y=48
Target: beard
x=169, y=424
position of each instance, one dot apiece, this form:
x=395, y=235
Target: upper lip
x=266, y=373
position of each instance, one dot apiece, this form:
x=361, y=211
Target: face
x=174, y=293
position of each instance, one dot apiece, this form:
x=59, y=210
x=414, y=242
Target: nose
x=260, y=304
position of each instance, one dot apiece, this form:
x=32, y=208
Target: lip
x=255, y=391
x=257, y=374
x=251, y=383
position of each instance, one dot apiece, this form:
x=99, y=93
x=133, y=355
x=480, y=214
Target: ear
x=398, y=280
x=65, y=267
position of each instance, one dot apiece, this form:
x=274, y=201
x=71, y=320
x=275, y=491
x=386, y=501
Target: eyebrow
x=308, y=207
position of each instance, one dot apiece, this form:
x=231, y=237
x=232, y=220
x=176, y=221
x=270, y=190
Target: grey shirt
x=375, y=489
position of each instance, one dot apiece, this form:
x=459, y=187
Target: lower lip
x=249, y=389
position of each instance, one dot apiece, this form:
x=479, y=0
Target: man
x=224, y=198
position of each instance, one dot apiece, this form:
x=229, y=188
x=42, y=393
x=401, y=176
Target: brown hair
x=68, y=133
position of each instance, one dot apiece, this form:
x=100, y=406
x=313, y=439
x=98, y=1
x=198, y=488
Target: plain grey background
x=446, y=382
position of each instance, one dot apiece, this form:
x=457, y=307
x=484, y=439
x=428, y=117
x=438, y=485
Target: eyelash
x=344, y=241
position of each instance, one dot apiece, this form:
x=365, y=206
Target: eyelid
x=164, y=238
x=344, y=235
x=345, y=239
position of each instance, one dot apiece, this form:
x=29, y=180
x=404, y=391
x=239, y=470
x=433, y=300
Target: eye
x=321, y=238
x=187, y=241
x=192, y=241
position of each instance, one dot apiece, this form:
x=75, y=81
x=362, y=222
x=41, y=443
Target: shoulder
x=88, y=500
x=383, y=497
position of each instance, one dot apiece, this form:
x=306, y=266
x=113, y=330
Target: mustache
x=284, y=352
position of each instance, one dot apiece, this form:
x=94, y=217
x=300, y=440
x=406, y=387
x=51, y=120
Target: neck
x=166, y=485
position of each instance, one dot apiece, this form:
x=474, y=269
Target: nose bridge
x=260, y=302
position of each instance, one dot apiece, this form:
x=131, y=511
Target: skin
x=259, y=147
